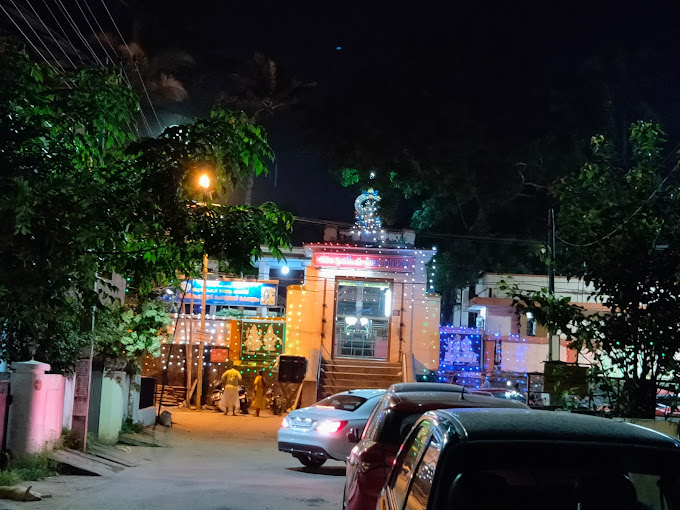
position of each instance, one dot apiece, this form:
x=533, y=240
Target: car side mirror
x=354, y=435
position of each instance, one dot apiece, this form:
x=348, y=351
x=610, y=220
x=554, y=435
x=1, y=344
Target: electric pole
x=552, y=355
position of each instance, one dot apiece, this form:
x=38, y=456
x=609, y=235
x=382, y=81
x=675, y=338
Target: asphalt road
x=208, y=461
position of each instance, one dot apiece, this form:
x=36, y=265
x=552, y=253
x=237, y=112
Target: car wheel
x=311, y=462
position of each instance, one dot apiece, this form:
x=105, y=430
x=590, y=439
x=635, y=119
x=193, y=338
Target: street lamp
x=204, y=181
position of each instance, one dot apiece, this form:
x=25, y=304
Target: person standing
x=484, y=383
x=259, y=388
x=231, y=379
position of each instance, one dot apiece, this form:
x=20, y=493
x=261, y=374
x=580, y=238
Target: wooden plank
x=81, y=465
x=111, y=454
x=115, y=466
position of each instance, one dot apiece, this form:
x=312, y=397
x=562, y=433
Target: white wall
x=574, y=288
x=526, y=357
x=69, y=395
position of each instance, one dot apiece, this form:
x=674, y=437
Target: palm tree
x=261, y=92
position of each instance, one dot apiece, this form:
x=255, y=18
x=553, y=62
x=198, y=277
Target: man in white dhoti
x=231, y=379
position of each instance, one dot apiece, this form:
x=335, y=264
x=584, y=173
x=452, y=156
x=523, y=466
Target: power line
x=125, y=76
x=25, y=36
x=90, y=25
x=133, y=59
x=160, y=126
x=74, y=27
x=63, y=31
x=38, y=37
x=51, y=34
x=101, y=30
x=426, y=233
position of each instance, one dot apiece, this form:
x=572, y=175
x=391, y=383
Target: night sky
x=499, y=61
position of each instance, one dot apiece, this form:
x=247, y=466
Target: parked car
x=506, y=393
x=370, y=461
x=667, y=411
x=317, y=433
x=461, y=459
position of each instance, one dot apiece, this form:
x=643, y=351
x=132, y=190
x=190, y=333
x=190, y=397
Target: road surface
x=211, y=462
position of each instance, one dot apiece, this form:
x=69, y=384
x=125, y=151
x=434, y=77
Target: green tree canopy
x=81, y=197
x=619, y=226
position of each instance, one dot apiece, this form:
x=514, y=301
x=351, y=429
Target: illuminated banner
x=233, y=293
x=460, y=349
x=392, y=263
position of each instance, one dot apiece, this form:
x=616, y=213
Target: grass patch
x=70, y=439
x=28, y=468
x=130, y=427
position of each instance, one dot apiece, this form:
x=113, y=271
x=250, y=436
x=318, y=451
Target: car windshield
x=342, y=402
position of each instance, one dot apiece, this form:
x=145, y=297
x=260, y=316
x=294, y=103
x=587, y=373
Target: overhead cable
x=21, y=13
x=90, y=25
x=35, y=48
x=133, y=59
x=75, y=28
x=51, y=34
x=46, y=2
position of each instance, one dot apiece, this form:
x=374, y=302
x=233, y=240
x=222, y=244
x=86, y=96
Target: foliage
x=28, y=468
x=130, y=427
x=621, y=229
x=261, y=90
x=130, y=334
x=81, y=197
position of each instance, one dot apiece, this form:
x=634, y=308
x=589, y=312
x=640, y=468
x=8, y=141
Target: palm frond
x=169, y=88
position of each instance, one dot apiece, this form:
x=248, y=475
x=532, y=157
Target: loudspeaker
x=292, y=368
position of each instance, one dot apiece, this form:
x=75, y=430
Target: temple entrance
x=362, y=318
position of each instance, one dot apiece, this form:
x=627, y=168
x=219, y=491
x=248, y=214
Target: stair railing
x=326, y=361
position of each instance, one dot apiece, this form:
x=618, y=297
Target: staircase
x=352, y=374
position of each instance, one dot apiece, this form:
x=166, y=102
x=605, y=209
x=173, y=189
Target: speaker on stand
x=292, y=371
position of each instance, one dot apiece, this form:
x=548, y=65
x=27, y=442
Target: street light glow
x=204, y=181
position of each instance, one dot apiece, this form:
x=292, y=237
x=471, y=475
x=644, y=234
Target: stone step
x=360, y=362
x=352, y=378
x=364, y=385
x=361, y=369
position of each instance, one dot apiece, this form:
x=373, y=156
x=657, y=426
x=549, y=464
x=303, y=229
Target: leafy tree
x=81, y=197
x=122, y=332
x=620, y=226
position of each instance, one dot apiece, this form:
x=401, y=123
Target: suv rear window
x=397, y=425
x=342, y=402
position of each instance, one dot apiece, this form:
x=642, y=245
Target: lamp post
x=203, y=182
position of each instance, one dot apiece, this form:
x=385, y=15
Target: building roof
x=518, y=425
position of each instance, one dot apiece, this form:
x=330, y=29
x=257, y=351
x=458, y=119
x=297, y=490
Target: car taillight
x=330, y=427
x=285, y=423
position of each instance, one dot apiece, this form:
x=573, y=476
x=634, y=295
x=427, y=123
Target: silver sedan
x=317, y=433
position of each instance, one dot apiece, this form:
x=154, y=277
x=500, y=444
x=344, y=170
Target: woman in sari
x=259, y=388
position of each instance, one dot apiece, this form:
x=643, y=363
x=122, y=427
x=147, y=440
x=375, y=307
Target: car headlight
x=330, y=427
x=285, y=423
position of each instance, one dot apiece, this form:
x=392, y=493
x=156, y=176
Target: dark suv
x=464, y=459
